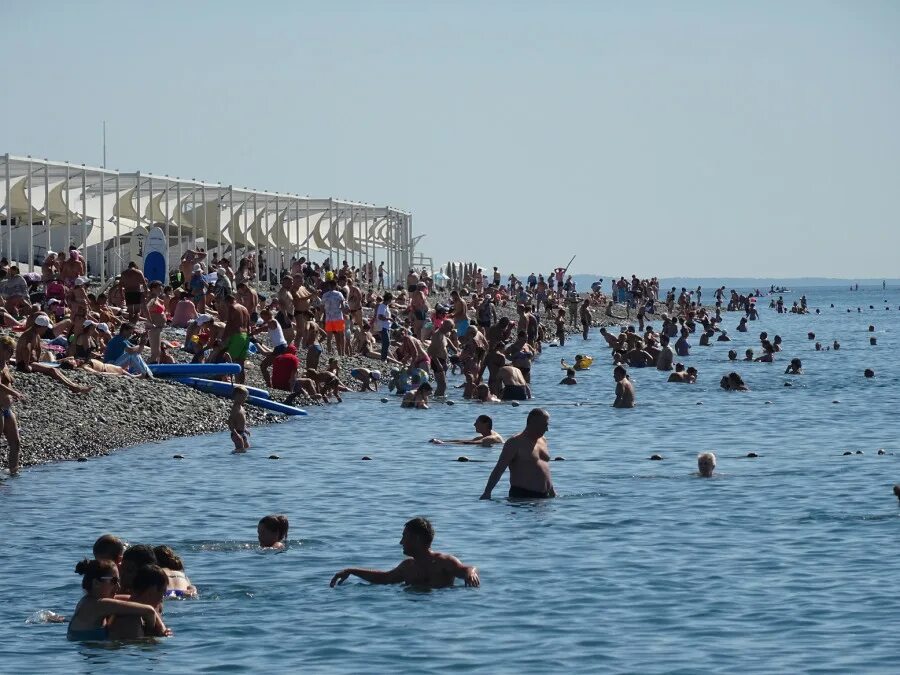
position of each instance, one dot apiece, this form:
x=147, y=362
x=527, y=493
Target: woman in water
x=100, y=583
x=272, y=530
x=179, y=584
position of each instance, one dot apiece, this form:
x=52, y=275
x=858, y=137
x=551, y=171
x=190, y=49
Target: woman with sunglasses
x=100, y=582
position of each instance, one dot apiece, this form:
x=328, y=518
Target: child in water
x=237, y=420
x=570, y=377
x=272, y=530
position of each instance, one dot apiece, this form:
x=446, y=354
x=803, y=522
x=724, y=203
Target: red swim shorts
x=334, y=326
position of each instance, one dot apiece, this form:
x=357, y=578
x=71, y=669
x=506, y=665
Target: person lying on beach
x=8, y=395
x=486, y=435
x=418, y=398
x=90, y=620
x=28, y=350
x=368, y=379
x=178, y=586
x=706, y=464
x=237, y=420
x=272, y=530
x=423, y=567
x=148, y=589
x=624, y=389
x=95, y=366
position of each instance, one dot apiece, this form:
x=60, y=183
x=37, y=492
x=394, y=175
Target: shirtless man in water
x=527, y=457
x=486, y=437
x=423, y=568
x=624, y=389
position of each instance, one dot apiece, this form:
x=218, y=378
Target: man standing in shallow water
x=423, y=567
x=526, y=456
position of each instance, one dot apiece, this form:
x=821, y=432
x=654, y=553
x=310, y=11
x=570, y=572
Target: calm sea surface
x=782, y=563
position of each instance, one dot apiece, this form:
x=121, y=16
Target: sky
x=658, y=138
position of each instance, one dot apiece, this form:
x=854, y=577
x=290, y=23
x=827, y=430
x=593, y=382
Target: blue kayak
x=193, y=369
x=274, y=406
x=219, y=388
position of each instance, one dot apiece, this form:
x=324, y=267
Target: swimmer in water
x=178, y=584
x=422, y=568
x=868, y=372
x=732, y=355
x=795, y=367
x=90, y=620
x=237, y=420
x=418, y=398
x=570, y=377
x=706, y=464
x=624, y=389
x=748, y=355
x=272, y=530
x=486, y=437
x=109, y=547
x=836, y=345
x=149, y=588
x=733, y=382
x=483, y=394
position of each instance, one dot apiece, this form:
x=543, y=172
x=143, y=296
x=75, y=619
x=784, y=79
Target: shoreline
x=56, y=425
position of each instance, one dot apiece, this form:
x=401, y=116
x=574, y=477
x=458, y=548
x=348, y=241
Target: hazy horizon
x=725, y=140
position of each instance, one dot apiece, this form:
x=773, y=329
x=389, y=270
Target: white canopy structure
x=50, y=206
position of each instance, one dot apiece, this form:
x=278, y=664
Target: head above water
x=706, y=464
x=272, y=529
x=418, y=534
x=102, y=571
x=109, y=547
x=537, y=423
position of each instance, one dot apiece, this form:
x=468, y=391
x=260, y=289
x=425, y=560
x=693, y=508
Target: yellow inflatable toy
x=582, y=362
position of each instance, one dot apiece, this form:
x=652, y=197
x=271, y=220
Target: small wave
x=45, y=616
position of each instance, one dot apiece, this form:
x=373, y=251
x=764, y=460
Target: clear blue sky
x=672, y=138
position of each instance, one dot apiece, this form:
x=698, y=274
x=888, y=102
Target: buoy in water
x=366, y=458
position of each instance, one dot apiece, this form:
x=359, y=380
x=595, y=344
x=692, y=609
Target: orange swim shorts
x=334, y=326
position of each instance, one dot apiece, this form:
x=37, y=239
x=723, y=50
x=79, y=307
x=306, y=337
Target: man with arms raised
x=423, y=567
x=526, y=456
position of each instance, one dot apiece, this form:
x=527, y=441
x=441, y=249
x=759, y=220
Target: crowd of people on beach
x=486, y=330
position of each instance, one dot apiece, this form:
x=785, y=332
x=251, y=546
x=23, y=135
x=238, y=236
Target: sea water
x=782, y=563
